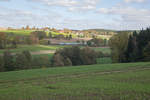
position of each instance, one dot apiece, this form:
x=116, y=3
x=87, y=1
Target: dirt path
x=43, y=52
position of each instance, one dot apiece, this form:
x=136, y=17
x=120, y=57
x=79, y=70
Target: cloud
x=71, y=5
x=129, y=16
x=137, y=1
x=18, y=18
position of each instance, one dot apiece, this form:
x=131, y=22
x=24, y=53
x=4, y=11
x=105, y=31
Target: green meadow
x=18, y=32
x=126, y=81
x=27, y=32
x=32, y=48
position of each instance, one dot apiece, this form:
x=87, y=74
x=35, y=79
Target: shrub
x=67, y=62
x=95, y=42
x=38, y=62
x=27, y=55
x=57, y=60
x=74, y=56
x=8, y=61
x=88, y=56
x=21, y=61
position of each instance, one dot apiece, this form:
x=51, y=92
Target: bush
x=57, y=60
x=27, y=55
x=8, y=61
x=21, y=61
x=74, y=56
x=88, y=56
x=96, y=42
x=40, y=62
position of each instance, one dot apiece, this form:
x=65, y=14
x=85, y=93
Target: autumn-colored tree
x=27, y=27
x=39, y=34
x=57, y=60
x=2, y=40
x=1, y=64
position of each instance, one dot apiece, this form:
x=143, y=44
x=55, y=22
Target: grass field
x=128, y=81
x=18, y=32
x=32, y=48
x=27, y=32
x=21, y=48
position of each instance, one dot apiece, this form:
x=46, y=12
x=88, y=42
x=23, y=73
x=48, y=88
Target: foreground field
x=96, y=82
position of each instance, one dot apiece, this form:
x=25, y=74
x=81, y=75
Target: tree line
x=21, y=61
x=131, y=47
x=68, y=56
x=11, y=40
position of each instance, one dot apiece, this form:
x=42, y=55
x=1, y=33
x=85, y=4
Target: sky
x=76, y=14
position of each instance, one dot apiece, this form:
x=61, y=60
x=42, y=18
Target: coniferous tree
x=138, y=46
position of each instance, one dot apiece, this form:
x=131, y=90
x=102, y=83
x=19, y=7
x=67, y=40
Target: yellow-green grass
x=18, y=32
x=105, y=36
x=27, y=32
x=65, y=34
x=32, y=48
x=129, y=81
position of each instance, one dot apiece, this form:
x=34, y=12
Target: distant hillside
x=102, y=30
x=107, y=31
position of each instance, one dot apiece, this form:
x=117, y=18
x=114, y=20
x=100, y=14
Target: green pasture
x=18, y=32
x=126, y=81
x=27, y=32
x=32, y=48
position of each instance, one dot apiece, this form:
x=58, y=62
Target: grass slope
x=128, y=81
x=18, y=32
